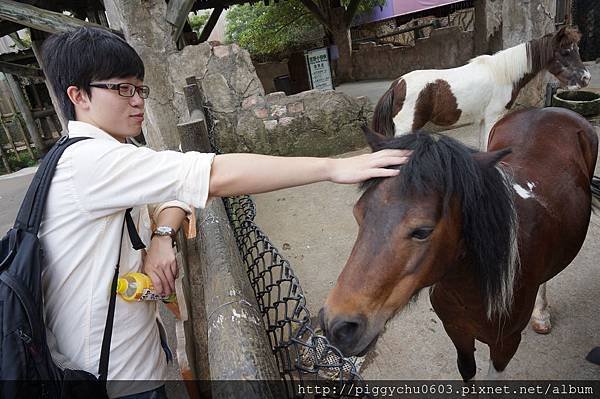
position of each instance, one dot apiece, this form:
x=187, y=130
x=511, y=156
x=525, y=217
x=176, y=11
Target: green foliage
x=271, y=29
x=25, y=162
x=197, y=21
x=281, y=26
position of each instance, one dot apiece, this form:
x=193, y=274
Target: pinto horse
x=481, y=91
x=483, y=230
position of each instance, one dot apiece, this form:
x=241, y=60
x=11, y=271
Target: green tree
x=270, y=29
x=197, y=21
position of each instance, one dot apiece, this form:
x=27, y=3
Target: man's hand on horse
x=367, y=166
x=160, y=265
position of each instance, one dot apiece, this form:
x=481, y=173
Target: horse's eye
x=565, y=52
x=421, y=234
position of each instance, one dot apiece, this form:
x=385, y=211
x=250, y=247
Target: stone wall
x=444, y=48
x=314, y=123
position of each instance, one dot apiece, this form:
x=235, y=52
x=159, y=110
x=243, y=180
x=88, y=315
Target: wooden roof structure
x=47, y=15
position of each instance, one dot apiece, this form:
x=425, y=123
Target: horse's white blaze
x=523, y=192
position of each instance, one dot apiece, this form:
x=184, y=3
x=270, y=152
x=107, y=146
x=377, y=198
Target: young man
x=98, y=78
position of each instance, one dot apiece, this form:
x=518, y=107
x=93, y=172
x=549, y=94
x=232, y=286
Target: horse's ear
x=490, y=159
x=374, y=139
x=566, y=36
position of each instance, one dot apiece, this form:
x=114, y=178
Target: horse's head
x=415, y=227
x=565, y=62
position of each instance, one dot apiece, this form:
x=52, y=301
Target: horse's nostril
x=347, y=331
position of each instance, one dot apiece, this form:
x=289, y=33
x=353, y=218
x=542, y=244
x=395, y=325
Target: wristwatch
x=164, y=231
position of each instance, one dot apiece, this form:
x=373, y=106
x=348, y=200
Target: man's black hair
x=85, y=55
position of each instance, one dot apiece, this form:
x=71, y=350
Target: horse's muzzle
x=345, y=332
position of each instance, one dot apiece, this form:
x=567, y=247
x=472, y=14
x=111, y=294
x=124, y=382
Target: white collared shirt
x=95, y=181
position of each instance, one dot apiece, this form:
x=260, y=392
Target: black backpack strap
x=137, y=244
x=30, y=214
x=134, y=237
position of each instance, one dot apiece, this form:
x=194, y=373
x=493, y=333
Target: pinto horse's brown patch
x=399, y=96
x=436, y=103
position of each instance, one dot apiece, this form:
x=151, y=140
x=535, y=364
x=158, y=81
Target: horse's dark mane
x=442, y=165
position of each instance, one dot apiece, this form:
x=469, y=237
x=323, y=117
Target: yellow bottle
x=138, y=287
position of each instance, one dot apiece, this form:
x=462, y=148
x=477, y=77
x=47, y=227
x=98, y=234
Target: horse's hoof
x=541, y=326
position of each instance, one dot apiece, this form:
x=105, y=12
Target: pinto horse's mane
x=440, y=165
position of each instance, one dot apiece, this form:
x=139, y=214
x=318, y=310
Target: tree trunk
x=341, y=37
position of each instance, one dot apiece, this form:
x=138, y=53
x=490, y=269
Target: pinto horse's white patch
x=523, y=192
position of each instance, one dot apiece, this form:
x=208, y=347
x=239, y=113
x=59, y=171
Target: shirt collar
x=84, y=129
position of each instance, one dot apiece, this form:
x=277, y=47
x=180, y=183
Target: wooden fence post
x=5, y=160
x=11, y=142
x=23, y=108
x=237, y=344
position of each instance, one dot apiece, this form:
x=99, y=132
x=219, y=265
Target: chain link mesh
x=303, y=355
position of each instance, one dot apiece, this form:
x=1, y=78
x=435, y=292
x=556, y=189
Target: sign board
x=319, y=71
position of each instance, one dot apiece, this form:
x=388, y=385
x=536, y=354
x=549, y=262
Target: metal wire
x=303, y=356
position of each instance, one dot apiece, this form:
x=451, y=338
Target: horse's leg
x=465, y=351
x=540, y=318
x=501, y=353
x=488, y=123
x=482, y=135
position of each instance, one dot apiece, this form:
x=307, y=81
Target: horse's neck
x=511, y=65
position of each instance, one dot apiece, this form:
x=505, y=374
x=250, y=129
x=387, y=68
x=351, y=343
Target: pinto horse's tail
x=596, y=193
x=382, y=116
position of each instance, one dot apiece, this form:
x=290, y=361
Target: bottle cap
x=121, y=285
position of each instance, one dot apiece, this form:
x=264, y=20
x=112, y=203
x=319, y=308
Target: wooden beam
x=11, y=141
x=22, y=57
x=35, y=46
x=210, y=24
x=5, y=160
x=38, y=18
x=21, y=70
x=17, y=122
x=23, y=108
x=177, y=12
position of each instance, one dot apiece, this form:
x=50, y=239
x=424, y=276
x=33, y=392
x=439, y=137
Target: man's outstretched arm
x=235, y=174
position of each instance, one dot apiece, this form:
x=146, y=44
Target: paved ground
x=317, y=225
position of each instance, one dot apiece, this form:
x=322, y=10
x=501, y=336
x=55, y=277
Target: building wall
x=445, y=48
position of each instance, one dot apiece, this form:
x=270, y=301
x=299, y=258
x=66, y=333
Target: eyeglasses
x=124, y=89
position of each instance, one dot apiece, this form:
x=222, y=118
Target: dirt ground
x=314, y=228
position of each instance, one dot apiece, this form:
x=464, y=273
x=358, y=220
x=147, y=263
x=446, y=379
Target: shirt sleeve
x=109, y=176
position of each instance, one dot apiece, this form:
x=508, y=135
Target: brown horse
x=482, y=229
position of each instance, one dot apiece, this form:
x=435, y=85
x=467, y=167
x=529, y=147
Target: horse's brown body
x=553, y=157
x=549, y=146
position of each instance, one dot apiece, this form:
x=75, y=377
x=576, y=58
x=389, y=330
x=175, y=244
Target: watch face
x=163, y=230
